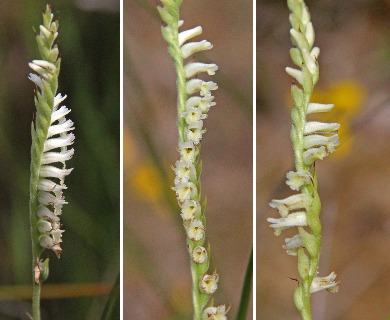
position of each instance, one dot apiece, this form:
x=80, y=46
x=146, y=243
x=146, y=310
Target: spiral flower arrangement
x=194, y=101
x=312, y=140
x=51, y=137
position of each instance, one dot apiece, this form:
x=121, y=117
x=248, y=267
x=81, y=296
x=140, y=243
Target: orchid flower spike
x=194, y=102
x=312, y=141
x=51, y=140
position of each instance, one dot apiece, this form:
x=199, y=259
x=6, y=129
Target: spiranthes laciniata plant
x=311, y=140
x=193, y=103
x=51, y=138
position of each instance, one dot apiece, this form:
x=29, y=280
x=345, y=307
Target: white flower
x=193, y=114
x=202, y=103
x=45, y=213
x=53, y=172
x=327, y=283
x=193, y=47
x=295, y=180
x=321, y=127
x=188, y=34
x=60, y=142
x=185, y=171
x=185, y=190
x=47, y=242
x=195, y=68
x=203, y=87
x=317, y=140
x=297, y=201
x=215, y=313
x=189, y=209
x=195, y=230
x=295, y=73
x=319, y=107
x=291, y=245
x=296, y=219
x=313, y=154
x=209, y=283
x=187, y=151
x=199, y=254
x=194, y=131
x=44, y=226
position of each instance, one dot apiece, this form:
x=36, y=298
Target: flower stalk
x=51, y=138
x=311, y=140
x=193, y=103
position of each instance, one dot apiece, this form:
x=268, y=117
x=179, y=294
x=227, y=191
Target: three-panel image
x=194, y=159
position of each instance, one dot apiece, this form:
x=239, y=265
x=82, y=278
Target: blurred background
x=354, y=185
x=157, y=283
x=89, y=43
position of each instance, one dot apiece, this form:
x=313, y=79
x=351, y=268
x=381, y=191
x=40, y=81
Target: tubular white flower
x=295, y=180
x=319, y=107
x=50, y=186
x=37, y=80
x=295, y=73
x=54, y=172
x=203, y=87
x=291, y=245
x=185, y=190
x=321, y=127
x=297, y=201
x=193, y=47
x=199, y=254
x=189, y=209
x=209, y=283
x=187, y=151
x=60, y=128
x=194, y=131
x=325, y=283
x=296, y=219
x=195, y=230
x=184, y=36
x=313, y=154
x=44, y=226
x=316, y=140
x=60, y=142
x=184, y=171
x=193, y=115
x=50, y=157
x=215, y=313
x=202, y=103
x=194, y=68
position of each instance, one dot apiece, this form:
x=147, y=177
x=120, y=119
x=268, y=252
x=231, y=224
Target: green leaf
x=112, y=308
x=246, y=290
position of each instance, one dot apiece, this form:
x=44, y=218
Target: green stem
x=36, y=301
x=196, y=293
x=36, y=250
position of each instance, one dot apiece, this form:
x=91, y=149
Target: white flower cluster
x=186, y=175
x=312, y=140
x=55, y=151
